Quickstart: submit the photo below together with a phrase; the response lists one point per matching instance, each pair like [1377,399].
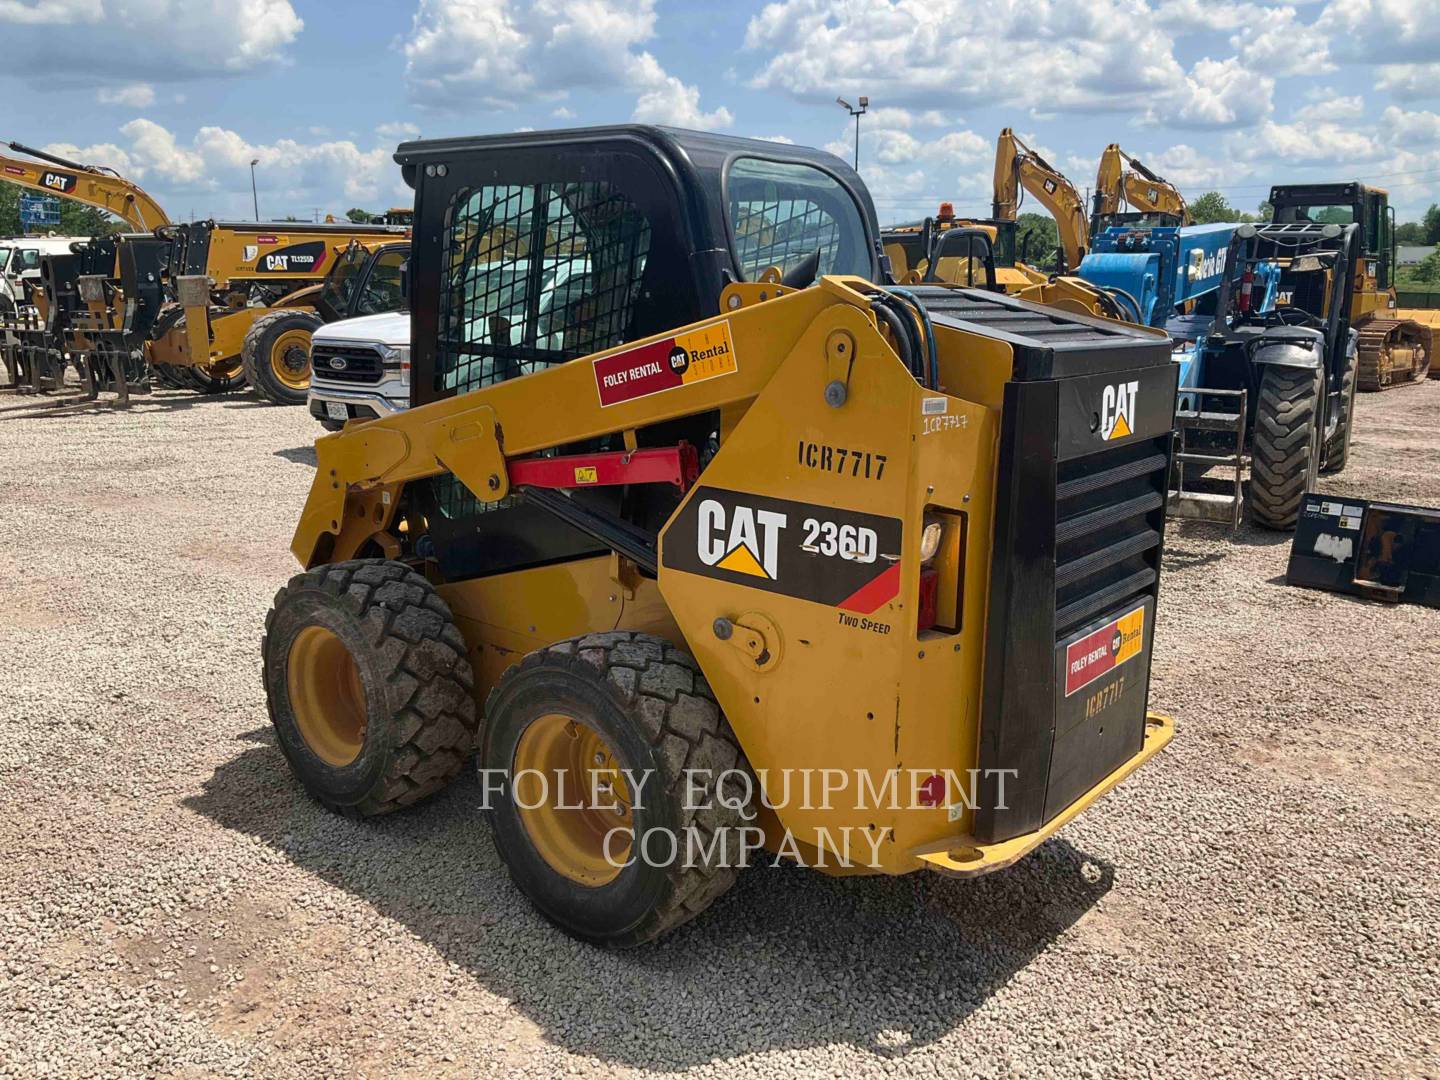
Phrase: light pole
[254,195]
[856,113]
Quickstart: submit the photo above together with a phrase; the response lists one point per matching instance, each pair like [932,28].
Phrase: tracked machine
[1395,346]
[732,509]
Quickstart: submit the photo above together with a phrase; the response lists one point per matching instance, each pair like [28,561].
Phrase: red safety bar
[678,465]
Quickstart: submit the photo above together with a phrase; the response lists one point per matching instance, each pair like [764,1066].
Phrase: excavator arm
[1018,168]
[52,175]
[1124,179]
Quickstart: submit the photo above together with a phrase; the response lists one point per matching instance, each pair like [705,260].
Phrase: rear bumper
[964,856]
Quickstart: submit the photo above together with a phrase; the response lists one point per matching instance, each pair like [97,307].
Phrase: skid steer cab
[727,554]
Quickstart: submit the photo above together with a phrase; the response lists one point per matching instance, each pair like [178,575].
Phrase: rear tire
[639,704]
[1337,448]
[276,355]
[369,685]
[1284,451]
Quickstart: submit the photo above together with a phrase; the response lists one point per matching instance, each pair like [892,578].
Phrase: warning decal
[691,357]
[1104,650]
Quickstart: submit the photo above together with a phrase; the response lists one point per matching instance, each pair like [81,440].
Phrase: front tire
[1284,453]
[369,685]
[592,714]
[276,355]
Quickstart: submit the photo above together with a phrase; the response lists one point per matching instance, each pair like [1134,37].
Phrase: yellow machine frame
[793,344]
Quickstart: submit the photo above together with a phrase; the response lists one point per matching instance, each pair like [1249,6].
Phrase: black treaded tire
[1337,447]
[652,704]
[260,341]
[418,682]
[1284,455]
[207,383]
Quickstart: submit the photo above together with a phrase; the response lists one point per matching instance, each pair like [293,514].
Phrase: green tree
[76,219]
[1036,238]
[1427,270]
[1211,207]
[1410,232]
[1431,226]
[358,216]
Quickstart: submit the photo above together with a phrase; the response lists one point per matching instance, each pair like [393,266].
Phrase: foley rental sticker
[1104,650]
[691,357]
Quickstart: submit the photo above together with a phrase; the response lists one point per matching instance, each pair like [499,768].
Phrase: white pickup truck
[20,262]
[360,368]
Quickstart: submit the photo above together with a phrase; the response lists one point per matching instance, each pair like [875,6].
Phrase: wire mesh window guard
[538,274]
[783,212]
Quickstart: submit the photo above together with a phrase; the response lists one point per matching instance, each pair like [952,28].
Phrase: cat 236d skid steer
[726,544]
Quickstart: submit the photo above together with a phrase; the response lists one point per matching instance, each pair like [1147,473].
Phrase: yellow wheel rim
[226,369]
[326,696]
[290,359]
[573,799]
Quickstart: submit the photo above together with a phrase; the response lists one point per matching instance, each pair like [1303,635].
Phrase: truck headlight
[397,358]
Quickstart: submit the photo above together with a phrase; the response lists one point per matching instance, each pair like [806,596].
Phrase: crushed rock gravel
[1262,899]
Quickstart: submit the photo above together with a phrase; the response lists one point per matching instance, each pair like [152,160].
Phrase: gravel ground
[1264,898]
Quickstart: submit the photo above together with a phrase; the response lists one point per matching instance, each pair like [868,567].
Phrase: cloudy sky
[181,95]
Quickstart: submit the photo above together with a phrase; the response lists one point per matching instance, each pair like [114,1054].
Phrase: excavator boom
[1123,179]
[1018,168]
[54,175]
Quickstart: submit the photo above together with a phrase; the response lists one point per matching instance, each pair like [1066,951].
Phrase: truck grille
[346,363]
[1108,521]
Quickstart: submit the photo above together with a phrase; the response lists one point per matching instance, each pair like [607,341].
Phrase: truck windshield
[340,281]
[782,212]
[4,259]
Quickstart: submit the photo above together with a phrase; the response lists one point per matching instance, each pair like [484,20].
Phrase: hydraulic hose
[896,324]
[932,357]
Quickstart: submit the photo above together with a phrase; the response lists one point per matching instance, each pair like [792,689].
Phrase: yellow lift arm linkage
[1018,167]
[1123,179]
[86,184]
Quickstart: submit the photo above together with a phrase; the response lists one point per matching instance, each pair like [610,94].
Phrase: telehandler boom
[730,512]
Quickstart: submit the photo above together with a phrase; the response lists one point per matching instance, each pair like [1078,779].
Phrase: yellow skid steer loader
[730,549]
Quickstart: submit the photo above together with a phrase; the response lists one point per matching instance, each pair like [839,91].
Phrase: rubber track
[424,658]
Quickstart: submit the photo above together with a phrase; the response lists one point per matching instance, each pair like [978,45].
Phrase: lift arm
[1018,168]
[88,184]
[1124,179]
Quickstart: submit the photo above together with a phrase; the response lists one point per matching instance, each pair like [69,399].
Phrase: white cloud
[1410,82]
[1050,54]
[1332,110]
[1194,171]
[293,176]
[1215,94]
[51,12]
[1420,129]
[398,130]
[673,102]
[1382,31]
[500,53]
[141,39]
[1309,142]
[785,139]
[135,95]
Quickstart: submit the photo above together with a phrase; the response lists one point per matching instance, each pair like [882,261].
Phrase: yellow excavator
[92,185]
[1123,180]
[1019,169]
